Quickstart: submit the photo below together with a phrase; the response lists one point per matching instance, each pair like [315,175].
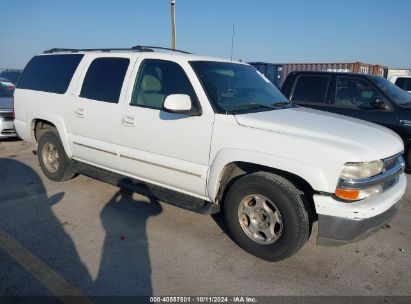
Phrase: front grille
[7,115]
[390,183]
[8,132]
[390,162]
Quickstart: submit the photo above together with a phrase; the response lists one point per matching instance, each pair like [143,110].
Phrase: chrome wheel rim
[50,157]
[260,219]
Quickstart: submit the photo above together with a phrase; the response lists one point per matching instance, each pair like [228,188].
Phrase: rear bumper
[340,222]
[7,128]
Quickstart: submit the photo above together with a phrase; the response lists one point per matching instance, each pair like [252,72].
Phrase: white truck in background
[398,72]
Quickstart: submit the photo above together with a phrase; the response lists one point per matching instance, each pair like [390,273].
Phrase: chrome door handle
[80,112]
[129,121]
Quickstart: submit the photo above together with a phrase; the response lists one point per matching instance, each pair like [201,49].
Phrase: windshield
[234,87]
[391,90]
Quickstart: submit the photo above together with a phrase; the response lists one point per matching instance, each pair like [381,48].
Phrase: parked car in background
[6,108]
[366,97]
[403,82]
[277,72]
[11,75]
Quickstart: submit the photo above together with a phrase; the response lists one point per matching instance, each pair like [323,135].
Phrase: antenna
[173,25]
[232,44]
[231,62]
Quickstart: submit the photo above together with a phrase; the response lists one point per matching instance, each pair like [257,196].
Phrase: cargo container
[355,67]
[277,73]
[271,71]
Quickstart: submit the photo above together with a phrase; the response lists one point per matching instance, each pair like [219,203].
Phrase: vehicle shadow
[10,139]
[27,216]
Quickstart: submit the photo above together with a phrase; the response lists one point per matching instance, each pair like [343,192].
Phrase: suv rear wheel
[267,216]
[53,159]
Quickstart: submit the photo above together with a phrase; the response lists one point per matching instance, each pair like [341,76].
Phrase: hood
[341,131]
[6,103]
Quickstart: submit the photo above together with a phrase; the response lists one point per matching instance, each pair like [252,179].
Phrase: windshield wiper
[254,105]
[282,103]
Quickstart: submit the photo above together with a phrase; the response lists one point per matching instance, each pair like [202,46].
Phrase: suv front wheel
[54,162]
[267,216]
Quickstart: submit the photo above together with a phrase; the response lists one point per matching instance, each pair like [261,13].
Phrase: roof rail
[142,47]
[137,48]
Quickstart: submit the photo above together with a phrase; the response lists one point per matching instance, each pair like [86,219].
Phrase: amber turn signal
[347,194]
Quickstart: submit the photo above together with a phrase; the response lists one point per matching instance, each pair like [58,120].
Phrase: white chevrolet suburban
[208,134]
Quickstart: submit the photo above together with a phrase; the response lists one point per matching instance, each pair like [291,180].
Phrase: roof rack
[143,47]
[137,48]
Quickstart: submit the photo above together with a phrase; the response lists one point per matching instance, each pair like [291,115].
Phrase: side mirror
[379,103]
[180,104]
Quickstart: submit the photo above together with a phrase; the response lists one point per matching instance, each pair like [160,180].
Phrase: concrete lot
[84,236]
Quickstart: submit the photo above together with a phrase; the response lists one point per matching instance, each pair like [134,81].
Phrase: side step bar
[159,193]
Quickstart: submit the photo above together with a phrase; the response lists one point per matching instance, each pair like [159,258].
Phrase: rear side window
[104,79]
[404,83]
[49,73]
[312,89]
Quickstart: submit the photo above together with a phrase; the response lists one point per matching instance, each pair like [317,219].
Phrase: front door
[353,97]
[163,148]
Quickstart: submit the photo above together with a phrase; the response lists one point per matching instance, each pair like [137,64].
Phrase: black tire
[290,202]
[65,167]
[407,156]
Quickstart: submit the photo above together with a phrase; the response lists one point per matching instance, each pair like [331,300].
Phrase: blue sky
[377,32]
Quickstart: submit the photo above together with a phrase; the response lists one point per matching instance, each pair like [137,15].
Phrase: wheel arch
[230,165]
[38,123]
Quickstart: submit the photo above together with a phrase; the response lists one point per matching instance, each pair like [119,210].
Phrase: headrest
[150,83]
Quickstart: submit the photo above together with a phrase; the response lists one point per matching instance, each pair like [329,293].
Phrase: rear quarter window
[49,73]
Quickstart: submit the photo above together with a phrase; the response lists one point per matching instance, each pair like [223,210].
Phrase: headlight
[362,170]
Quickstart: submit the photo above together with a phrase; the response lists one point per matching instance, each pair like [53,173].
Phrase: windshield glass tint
[395,93]
[233,87]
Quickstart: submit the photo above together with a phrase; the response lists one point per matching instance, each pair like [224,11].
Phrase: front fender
[314,176]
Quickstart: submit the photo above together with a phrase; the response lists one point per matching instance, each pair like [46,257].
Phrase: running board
[159,193]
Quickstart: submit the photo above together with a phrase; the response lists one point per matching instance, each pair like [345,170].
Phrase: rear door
[96,108]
